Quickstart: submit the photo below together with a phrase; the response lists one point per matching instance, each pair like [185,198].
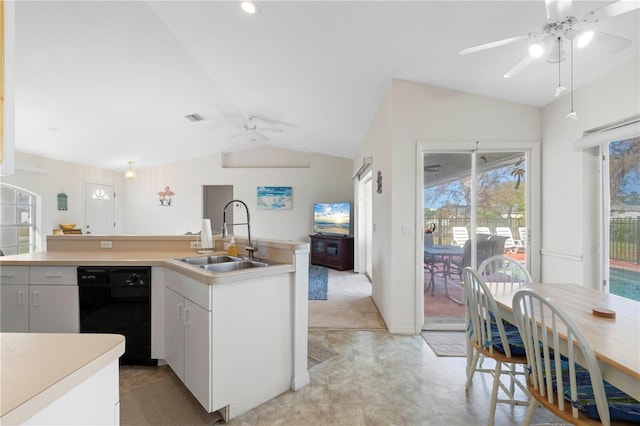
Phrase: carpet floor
[348,306]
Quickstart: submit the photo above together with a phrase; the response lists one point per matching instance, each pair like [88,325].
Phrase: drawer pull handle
[9,275]
[36,298]
[20,298]
[53,275]
[187,317]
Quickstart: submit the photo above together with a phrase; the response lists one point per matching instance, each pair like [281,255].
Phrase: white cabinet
[188,335]
[39,299]
[15,308]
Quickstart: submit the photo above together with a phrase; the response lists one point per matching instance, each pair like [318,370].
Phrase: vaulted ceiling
[103,83]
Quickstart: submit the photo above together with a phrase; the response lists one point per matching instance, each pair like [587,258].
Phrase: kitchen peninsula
[250,324]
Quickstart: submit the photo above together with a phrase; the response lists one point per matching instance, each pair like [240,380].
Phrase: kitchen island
[59,378]
[236,339]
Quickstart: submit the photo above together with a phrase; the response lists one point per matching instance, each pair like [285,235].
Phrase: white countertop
[38,368]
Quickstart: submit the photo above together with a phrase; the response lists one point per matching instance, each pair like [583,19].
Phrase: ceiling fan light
[559,90]
[536,50]
[572,115]
[584,39]
[249,7]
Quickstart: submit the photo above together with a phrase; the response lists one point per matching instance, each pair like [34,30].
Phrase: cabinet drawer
[60,275]
[14,274]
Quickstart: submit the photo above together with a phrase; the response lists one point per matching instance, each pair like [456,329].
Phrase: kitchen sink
[233,266]
[209,260]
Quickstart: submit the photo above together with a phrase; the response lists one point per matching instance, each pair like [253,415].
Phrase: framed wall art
[274,198]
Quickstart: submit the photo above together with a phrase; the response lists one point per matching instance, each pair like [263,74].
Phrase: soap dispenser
[233,250]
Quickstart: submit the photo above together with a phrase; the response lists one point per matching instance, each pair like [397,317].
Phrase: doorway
[99,209]
[214,198]
[466,192]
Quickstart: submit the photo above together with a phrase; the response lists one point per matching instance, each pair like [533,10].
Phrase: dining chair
[490,338]
[500,273]
[503,270]
[574,392]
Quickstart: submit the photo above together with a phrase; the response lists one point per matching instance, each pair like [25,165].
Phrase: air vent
[194,118]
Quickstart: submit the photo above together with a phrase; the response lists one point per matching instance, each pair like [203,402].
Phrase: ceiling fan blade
[267,120]
[262,129]
[611,10]
[557,9]
[493,44]
[522,64]
[608,42]
[256,135]
[238,134]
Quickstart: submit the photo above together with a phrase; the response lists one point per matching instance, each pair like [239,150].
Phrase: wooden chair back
[547,330]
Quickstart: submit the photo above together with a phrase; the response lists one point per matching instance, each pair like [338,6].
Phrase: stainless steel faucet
[225,225]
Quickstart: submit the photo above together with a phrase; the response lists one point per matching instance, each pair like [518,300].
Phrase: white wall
[327,179]
[46,178]
[570,179]
[137,208]
[413,112]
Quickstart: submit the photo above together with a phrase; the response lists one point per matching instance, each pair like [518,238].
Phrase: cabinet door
[54,309]
[15,308]
[197,374]
[174,332]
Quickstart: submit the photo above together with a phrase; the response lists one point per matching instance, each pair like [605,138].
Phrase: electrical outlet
[105,244]
[194,245]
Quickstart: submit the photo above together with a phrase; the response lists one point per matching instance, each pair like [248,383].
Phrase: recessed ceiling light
[250,7]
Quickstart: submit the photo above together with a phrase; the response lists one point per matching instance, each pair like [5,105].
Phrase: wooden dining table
[615,341]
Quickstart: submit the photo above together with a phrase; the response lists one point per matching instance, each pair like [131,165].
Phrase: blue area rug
[318,277]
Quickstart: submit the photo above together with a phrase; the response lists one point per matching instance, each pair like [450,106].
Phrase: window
[622,160]
[17,220]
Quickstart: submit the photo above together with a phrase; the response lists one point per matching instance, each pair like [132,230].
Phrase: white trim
[565,256]
[627,130]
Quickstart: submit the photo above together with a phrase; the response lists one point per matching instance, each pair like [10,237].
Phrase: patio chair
[491,337]
[509,244]
[522,242]
[483,230]
[576,393]
[486,246]
[460,236]
[500,272]
[431,263]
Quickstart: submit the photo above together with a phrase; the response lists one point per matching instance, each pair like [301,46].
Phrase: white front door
[100,209]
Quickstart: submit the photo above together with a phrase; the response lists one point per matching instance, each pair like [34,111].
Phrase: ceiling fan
[254,132]
[562,27]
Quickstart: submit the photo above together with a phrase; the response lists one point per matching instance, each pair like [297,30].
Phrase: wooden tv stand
[332,251]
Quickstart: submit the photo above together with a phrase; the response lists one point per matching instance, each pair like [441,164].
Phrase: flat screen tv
[332,218]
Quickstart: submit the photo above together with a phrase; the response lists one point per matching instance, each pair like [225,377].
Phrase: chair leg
[530,411]
[494,392]
[471,369]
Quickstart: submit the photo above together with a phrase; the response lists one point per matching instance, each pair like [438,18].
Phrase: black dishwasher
[118,300]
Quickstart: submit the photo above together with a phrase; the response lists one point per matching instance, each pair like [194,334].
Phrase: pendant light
[572,115]
[560,87]
[130,173]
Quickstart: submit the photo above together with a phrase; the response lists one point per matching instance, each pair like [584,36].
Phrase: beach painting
[274,198]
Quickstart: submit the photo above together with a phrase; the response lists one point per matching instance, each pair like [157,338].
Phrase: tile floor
[383,379]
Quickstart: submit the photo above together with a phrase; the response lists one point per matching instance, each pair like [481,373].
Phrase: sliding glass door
[468,195]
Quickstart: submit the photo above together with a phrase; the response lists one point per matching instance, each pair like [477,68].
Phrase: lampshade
[130,173]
